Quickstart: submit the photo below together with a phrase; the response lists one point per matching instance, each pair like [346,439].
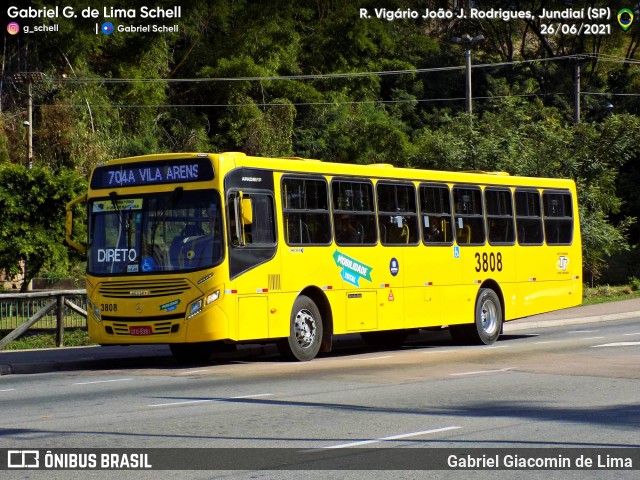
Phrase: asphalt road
[559,387]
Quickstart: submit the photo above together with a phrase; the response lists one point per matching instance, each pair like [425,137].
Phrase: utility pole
[467,42]
[576,93]
[29,78]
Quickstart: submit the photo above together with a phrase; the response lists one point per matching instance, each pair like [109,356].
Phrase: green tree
[32,218]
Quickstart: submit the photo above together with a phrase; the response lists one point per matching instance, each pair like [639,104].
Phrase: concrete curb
[533,324]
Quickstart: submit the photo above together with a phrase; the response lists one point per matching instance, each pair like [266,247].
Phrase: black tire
[386,339]
[305,337]
[487,321]
[192,353]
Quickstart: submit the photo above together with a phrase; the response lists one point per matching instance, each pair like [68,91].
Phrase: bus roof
[293,165]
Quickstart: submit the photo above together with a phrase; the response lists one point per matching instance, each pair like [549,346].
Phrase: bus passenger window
[397,214]
[558,217]
[354,219]
[305,209]
[528,217]
[435,208]
[499,216]
[469,215]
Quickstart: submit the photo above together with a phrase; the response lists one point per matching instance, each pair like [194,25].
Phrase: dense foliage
[313,79]
[32,226]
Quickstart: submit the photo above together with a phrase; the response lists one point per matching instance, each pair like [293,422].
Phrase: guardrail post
[60,321]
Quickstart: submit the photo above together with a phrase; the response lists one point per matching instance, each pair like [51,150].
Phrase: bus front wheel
[487,322]
[305,337]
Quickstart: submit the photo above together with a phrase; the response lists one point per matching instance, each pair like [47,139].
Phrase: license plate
[140,331]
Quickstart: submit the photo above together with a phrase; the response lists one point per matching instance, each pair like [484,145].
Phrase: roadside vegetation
[76,337]
[608,293]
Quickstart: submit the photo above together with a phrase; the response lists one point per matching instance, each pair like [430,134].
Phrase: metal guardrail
[20,311]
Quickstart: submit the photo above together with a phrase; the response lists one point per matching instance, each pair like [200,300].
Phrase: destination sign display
[152,173]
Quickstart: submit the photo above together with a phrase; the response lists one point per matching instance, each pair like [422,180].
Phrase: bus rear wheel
[305,337]
[487,322]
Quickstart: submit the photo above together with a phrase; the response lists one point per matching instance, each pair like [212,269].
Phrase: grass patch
[608,293]
[76,337]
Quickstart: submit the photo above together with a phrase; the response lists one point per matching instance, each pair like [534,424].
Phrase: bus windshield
[165,232]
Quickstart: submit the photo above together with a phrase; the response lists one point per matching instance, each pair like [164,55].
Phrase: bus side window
[469,215]
[397,213]
[499,216]
[558,217]
[261,230]
[354,219]
[528,217]
[435,208]
[305,211]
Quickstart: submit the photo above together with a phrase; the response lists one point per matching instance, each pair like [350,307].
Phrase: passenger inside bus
[346,230]
[434,233]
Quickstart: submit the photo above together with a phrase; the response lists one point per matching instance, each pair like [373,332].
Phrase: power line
[602,57]
[301,104]
[321,76]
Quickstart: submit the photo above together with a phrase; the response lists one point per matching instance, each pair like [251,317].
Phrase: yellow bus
[203,250]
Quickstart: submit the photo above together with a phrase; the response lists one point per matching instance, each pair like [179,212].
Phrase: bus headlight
[95,310]
[212,297]
[194,309]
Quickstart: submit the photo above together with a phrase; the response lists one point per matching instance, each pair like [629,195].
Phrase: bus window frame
[540,217]
[482,215]
[441,215]
[489,217]
[405,214]
[336,212]
[555,191]
[288,210]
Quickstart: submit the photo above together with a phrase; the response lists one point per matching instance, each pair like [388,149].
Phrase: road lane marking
[372,358]
[617,344]
[257,395]
[104,381]
[495,346]
[8,390]
[547,341]
[192,371]
[592,338]
[580,331]
[208,400]
[393,437]
[631,334]
[189,402]
[480,372]
[438,351]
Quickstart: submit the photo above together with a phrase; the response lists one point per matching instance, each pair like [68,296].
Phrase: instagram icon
[13,28]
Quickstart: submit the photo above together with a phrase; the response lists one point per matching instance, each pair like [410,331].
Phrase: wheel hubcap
[489,317]
[305,328]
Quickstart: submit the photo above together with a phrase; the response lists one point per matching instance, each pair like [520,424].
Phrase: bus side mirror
[69,224]
[247,211]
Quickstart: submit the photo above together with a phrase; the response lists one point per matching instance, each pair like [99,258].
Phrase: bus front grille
[148,288]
